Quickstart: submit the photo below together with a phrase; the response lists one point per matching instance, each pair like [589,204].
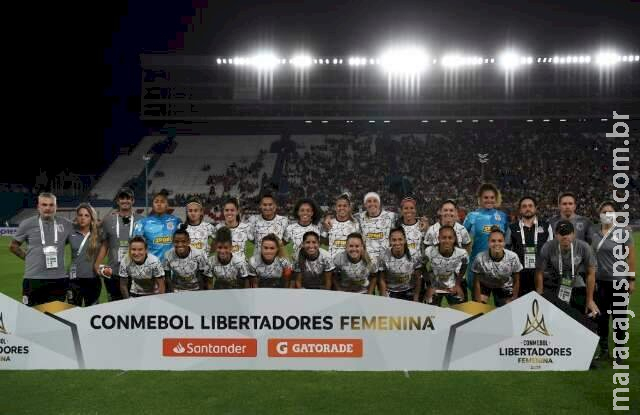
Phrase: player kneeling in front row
[400,275]
[144,269]
[496,271]
[226,269]
[445,268]
[185,267]
[355,271]
[270,268]
[314,265]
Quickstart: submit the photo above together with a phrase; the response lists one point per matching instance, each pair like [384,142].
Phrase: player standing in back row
[267,222]
[480,222]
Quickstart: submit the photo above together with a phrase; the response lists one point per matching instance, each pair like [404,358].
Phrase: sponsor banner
[527,334]
[280,329]
[4,231]
[30,339]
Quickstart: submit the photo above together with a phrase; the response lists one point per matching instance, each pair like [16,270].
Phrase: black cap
[564,227]
[126,192]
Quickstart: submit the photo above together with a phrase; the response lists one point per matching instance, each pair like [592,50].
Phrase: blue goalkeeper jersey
[479,222]
[158,232]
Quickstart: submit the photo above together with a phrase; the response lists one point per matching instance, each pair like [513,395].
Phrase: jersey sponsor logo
[314,348]
[340,243]
[162,240]
[185,347]
[375,235]
[235,248]
[197,245]
[412,245]
[486,228]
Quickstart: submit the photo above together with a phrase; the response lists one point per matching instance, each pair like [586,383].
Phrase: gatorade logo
[322,348]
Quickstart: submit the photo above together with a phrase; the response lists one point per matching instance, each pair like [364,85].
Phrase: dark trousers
[113,288]
[607,301]
[42,291]
[85,291]
[575,308]
[527,282]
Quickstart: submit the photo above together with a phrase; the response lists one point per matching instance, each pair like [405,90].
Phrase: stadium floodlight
[459,121]
[529,120]
[224,60]
[315,61]
[493,60]
[624,58]
[451,61]
[301,61]
[604,119]
[264,61]
[404,61]
[324,121]
[424,121]
[340,61]
[546,120]
[637,58]
[563,120]
[510,60]
[443,121]
[372,122]
[607,58]
[474,121]
[218,61]
[308,122]
[386,121]
[490,120]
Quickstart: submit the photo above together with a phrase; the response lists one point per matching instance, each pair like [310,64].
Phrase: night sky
[90,55]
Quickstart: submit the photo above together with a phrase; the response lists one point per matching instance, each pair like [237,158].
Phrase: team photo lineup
[321,207]
[375,251]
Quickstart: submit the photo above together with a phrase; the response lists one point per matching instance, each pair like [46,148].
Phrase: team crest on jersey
[60,227]
[579,226]
[170,226]
[497,216]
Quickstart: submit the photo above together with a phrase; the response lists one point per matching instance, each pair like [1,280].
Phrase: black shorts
[85,291]
[402,295]
[41,291]
[500,295]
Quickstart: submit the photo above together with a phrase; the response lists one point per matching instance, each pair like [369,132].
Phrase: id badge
[564,293]
[529,257]
[50,257]
[123,251]
[73,272]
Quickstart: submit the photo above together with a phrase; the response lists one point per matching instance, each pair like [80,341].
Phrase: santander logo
[179,349]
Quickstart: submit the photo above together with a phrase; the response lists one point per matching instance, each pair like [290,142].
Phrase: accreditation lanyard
[573,265]
[118,227]
[566,284]
[55,232]
[84,241]
[535,233]
[604,238]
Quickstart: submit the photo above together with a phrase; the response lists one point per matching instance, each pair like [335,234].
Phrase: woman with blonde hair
[85,286]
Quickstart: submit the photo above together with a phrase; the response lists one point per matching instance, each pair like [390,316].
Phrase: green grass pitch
[289,392]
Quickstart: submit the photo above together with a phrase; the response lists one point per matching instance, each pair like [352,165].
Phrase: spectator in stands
[46,235]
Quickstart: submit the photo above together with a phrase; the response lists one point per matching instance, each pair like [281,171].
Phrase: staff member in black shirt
[526,238]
